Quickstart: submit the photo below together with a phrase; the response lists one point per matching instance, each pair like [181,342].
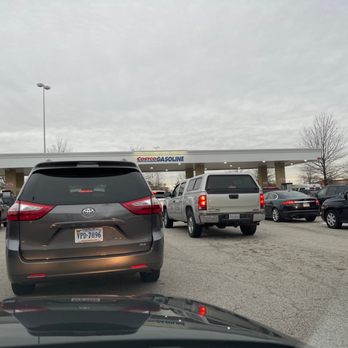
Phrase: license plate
[306,205]
[88,235]
[233,216]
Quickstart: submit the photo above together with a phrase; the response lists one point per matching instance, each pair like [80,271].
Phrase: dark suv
[83,218]
[334,211]
[330,191]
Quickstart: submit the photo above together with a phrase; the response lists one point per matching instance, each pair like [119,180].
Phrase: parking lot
[292,276]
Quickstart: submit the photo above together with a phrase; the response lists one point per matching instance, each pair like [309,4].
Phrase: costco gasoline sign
[151,159]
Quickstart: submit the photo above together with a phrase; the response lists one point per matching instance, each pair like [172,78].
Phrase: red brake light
[202,310]
[202,202]
[27,211]
[317,202]
[288,202]
[262,200]
[144,206]
[142,265]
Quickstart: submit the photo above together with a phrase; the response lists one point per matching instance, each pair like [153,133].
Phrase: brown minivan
[83,218]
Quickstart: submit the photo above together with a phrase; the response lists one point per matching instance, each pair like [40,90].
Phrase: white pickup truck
[216,199]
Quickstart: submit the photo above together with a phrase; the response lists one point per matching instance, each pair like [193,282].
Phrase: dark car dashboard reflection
[154,319]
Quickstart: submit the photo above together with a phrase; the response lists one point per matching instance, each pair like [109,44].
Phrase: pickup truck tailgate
[232,193]
[232,202]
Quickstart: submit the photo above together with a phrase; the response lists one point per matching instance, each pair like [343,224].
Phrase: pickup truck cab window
[197,184]
[190,185]
[175,191]
[181,189]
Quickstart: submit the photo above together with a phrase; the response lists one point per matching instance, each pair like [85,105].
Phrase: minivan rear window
[84,186]
[231,184]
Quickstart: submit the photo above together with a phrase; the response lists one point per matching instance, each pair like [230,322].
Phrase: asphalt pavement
[291,276]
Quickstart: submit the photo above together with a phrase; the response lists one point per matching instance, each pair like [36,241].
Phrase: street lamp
[44,88]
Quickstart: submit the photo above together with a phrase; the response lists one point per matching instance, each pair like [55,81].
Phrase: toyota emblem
[87,212]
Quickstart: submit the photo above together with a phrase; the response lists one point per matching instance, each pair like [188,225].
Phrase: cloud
[190,75]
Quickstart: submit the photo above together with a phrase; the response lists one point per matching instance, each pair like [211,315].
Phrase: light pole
[44,87]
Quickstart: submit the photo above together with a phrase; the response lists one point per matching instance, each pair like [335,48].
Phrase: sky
[170,74]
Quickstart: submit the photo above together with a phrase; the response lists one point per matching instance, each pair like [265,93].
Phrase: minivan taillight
[202,202]
[262,200]
[144,206]
[27,211]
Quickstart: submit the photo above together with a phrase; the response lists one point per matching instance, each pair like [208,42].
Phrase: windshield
[84,186]
[238,203]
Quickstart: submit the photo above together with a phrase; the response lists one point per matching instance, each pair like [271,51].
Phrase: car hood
[58,319]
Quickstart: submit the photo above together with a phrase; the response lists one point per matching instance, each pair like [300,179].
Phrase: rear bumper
[224,218]
[18,269]
[299,213]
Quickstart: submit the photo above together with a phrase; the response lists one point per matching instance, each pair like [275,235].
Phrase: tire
[276,215]
[332,220]
[248,230]
[4,223]
[310,218]
[167,222]
[221,226]
[194,230]
[22,289]
[151,276]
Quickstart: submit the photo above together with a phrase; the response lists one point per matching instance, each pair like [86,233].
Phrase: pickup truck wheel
[248,230]
[167,222]
[332,220]
[194,230]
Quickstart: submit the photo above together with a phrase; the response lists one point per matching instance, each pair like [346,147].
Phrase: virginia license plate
[233,216]
[88,235]
[306,205]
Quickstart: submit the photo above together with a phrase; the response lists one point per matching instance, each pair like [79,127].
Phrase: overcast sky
[170,74]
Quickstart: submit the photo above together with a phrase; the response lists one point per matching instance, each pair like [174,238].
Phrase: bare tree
[325,135]
[309,175]
[61,145]
[155,180]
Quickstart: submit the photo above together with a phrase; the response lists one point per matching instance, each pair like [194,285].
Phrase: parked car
[330,191]
[334,211]
[83,218]
[3,212]
[280,205]
[216,199]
